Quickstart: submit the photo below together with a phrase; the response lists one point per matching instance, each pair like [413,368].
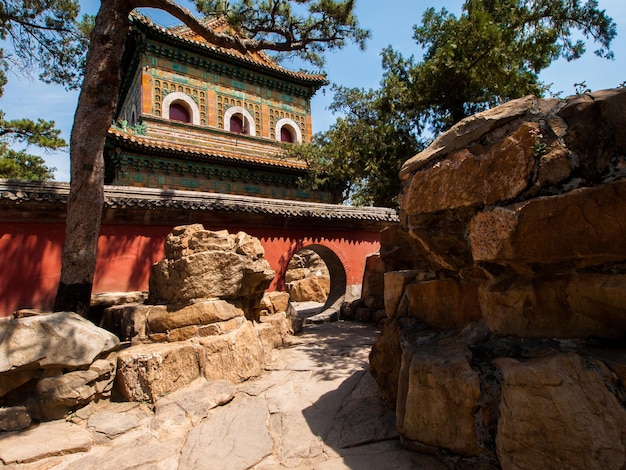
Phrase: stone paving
[315,407]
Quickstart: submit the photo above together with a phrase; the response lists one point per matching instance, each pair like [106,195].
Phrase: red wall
[31,257]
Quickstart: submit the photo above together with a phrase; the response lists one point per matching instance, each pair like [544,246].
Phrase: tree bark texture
[94,114]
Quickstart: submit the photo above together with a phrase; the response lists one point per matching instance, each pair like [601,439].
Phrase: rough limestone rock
[58,395]
[309,289]
[150,371]
[162,319]
[536,398]
[201,264]
[14,418]
[235,356]
[53,364]
[204,296]
[438,394]
[307,277]
[505,289]
[61,339]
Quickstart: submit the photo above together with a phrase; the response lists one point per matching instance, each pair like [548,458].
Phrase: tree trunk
[95,112]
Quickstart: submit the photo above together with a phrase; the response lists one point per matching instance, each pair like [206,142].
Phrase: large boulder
[62,339]
[53,364]
[201,264]
[150,371]
[505,289]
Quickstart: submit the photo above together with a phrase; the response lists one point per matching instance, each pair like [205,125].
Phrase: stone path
[316,407]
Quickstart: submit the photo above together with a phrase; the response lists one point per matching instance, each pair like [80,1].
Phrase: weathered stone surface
[541,231]
[13,379]
[164,318]
[249,246]
[108,299]
[235,356]
[395,283]
[198,399]
[438,394]
[188,239]
[112,424]
[296,274]
[558,410]
[147,372]
[45,440]
[595,122]
[198,275]
[470,130]
[309,289]
[59,339]
[574,306]
[361,420]
[220,328]
[385,361]
[445,303]
[127,321]
[202,264]
[270,336]
[233,437]
[466,179]
[14,418]
[279,300]
[56,396]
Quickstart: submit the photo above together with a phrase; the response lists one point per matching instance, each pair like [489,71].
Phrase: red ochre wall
[31,257]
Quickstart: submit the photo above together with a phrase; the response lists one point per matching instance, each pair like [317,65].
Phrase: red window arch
[178,112]
[286,135]
[237,124]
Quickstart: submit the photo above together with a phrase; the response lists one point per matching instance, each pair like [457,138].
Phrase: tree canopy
[493,52]
[42,36]
[359,157]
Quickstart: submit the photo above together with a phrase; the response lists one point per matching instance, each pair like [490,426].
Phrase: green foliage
[41,133]
[20,165]
[490,54]
[300,28]
[45,35]
[359,157]
[40,35]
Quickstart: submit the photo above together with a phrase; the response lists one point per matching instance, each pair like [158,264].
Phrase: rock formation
[505,289]
[207,316]
[307,277]
[50,365]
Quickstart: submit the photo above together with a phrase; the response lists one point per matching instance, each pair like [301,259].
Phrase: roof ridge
[259,58]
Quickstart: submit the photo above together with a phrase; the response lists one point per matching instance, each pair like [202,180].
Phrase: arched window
[180,107]
[179,112]
[288,131]
[286,135]
[239,120]
[237,125]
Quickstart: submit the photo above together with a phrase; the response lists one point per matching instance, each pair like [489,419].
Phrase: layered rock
[505,291]
[208,315]
[51,365]
[307,278]
[201,264]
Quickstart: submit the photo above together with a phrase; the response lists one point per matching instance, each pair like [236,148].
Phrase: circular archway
[335,269]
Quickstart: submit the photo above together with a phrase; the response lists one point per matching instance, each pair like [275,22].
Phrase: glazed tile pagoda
[193,116]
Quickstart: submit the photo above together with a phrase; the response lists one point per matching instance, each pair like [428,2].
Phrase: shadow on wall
[39,260]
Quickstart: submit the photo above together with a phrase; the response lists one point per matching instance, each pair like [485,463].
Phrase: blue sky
[390,22]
